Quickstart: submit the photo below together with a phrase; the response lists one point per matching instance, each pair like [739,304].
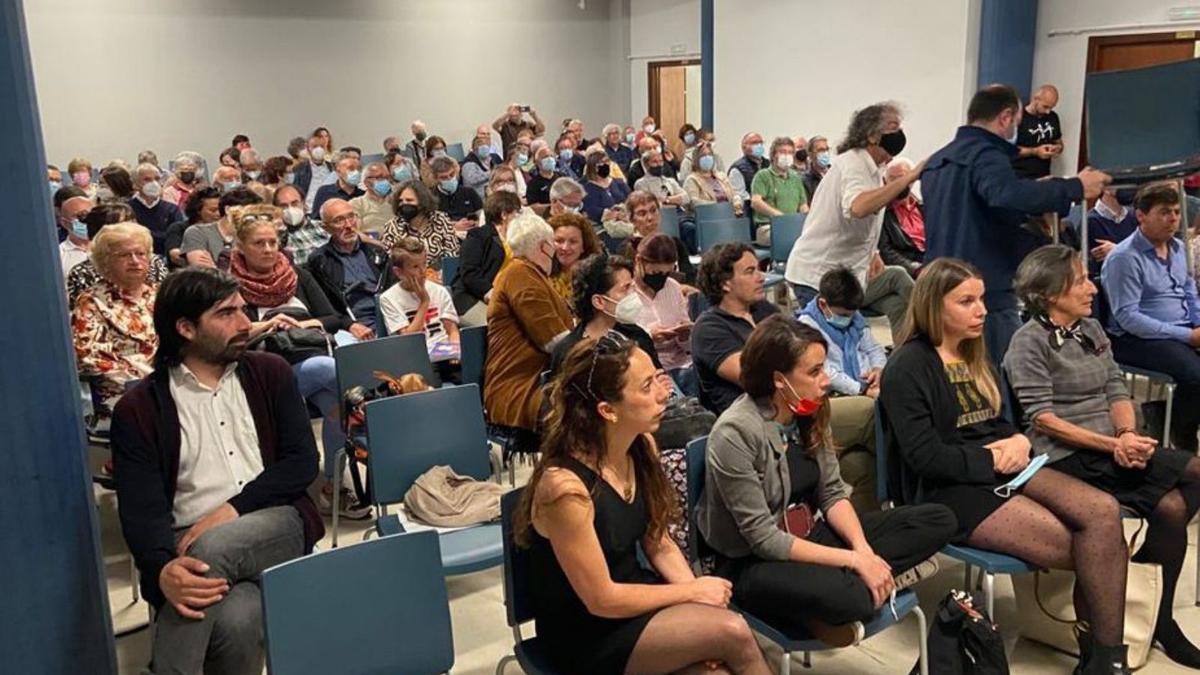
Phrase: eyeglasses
[609,343]
[255,217]
[344,219]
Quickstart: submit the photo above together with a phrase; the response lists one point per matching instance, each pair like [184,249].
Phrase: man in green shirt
[777,189]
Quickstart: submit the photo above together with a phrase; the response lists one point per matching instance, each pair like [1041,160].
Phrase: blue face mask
[55,186]
[706,162]
[79,228]
[824,159]
[629,138]
[758,150]
[547,164]
[565,154]
[522,160]
[1021,478]
[689,138]
[448,186]
[289,178]
[354,178]
[483,152]
[381,187]
[402,173]
[840,322]
[231,185]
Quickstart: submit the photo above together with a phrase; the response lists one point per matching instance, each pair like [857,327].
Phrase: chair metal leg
[339,467]
[1170,387]
[967,585]
[785,663]
[504,662]
[922,646]
[133,579]
[989,595]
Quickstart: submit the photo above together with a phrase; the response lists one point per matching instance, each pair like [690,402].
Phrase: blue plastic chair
[715,211]
[410,434]
[906,600]
[709,233]
[473,341]
[528,652]
[401,619]
[449,270]
[456,151]
[785,230]
[989,563]
[668,221]
[367,159]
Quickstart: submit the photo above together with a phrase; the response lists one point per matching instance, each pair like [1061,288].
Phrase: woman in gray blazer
[777,513]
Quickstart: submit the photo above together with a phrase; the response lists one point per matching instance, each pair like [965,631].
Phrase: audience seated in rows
[348,270]
[203,525]
[706,183]
[902,236]
[597,498]
[771,454]
[942,400]
[416,214]
[842,229]
[483,254]
[574,240]
[1079,414]
[1155,313]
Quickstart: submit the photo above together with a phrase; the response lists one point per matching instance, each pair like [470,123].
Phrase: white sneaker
[348,506]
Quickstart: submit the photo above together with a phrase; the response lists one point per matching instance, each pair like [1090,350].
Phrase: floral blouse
[114,338]
[439,238]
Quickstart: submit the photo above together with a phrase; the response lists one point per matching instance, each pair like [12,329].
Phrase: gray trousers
[888,294]
[229,639]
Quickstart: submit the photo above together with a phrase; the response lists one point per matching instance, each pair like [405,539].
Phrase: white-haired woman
[526,318]
[113,323]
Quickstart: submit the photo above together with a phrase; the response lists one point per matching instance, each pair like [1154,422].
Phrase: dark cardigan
[480,260]
[145,438]
[919,416]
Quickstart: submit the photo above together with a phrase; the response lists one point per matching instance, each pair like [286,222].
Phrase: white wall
[1061,60]
[659,30]
[123,75]
[921,53]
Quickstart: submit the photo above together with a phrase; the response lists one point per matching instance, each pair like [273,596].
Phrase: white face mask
[629,308]
[318,154]
[784,161]
[152,190]
[293,216]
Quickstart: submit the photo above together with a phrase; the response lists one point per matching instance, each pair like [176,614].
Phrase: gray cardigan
[746,483]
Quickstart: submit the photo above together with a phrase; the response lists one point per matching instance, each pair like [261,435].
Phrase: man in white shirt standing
[843,225]
[76,247]
[213,455]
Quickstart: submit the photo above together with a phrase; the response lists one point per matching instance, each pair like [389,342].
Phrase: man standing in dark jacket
[975,204]
[213,456]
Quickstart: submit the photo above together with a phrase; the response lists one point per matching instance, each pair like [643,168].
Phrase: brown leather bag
[798,521]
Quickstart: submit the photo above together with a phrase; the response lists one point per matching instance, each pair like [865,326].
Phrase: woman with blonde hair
[113,320]
[941,405]
[598,493]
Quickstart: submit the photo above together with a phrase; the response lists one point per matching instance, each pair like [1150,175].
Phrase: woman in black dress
[598,492]
[941,413]
[1061,368]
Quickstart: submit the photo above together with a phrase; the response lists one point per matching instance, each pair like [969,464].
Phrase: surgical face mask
[894,142]
[79,228]
[317,154]
[629,138]
[706,162]
[353,177]
[293,216]
[603,170]
[187,176]
[802,407]
[253,175]
[656,281]
[628,309]
[483,152]
[572,209]
[783,161]
[566,154]
[1022,478]
[153,189]
[522,160]
[289,178]
[231,185]
[689,138]
[408,211]
[440,152]
[824,159]
[381,187]
[758,150]
[547,164]
[55,186]
[1012,138]
[449,186]
[402,173]
[649,128]
[839,321]
[81,178]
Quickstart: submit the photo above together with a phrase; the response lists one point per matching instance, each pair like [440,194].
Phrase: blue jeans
[317,378]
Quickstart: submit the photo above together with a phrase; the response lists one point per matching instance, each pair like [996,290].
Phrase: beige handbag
[442,498]
[1044,603]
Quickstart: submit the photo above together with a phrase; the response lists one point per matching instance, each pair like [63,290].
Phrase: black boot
[1083,637]
[1106,660]
[1176,645]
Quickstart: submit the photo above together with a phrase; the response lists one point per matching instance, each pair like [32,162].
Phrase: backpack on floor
[354,422]
[963,640]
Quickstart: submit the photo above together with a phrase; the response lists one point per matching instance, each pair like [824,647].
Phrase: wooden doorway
[674,97]
[1122,52]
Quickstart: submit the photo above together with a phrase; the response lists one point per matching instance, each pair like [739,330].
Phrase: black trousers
[1181,362]
[787,594]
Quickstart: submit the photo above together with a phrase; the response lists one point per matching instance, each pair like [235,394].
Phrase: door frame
[652,69]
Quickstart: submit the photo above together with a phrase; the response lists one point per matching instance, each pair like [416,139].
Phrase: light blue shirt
[1150,298]
[870,357]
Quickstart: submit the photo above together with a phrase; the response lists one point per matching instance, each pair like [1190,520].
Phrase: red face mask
[802,407]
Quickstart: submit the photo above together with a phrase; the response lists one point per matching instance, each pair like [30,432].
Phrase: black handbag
[963,640]
[294,344]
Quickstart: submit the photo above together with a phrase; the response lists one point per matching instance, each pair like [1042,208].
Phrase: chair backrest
[456,151]
[696,450]
[398,592]
[785,230]
[397,355]
[473,342]
[449,270]
[712,232]
[714,211]
[517,600]
[367,159]
[668,221]
[412,433]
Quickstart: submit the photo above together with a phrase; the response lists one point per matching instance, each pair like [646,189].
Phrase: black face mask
[603,170]
[656,171]
[1125,196]
[656,281]
[904,193]
[893,143]
[408,211]
[187,176]
[801,155]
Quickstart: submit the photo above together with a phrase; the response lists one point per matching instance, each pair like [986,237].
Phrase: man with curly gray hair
[846,216]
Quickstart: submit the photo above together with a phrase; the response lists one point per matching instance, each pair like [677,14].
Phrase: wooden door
[668,99]
[1122,52]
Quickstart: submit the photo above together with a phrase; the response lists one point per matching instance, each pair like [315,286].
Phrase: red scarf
[265,290]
